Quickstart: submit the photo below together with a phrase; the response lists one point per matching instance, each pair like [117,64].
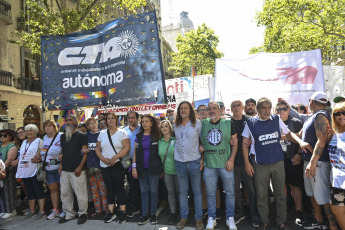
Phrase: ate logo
[304,75]
[214,137]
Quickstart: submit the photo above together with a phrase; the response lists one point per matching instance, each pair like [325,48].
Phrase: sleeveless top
[267,135]
[309,136]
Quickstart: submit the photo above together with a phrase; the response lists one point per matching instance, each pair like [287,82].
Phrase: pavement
[18,222]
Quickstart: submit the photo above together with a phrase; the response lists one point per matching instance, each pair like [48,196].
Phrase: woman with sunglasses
[147,166]
[337,157]
[8,153]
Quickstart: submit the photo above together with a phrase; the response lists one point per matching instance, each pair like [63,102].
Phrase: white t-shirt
[246,133]
[106,148]
[2,168]
[53,153]
[337,157]
[26,168]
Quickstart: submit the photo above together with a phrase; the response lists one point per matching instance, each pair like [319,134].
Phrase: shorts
[34,188]
[319,186]
[53,176]
[293,173]
[337,197]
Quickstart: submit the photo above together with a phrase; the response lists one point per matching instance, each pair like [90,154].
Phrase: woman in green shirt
[166,147]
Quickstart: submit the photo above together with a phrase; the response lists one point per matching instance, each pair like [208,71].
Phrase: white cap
[320,97]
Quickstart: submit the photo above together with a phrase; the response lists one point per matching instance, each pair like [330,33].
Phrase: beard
[250,112]
[69,132]
[171,119]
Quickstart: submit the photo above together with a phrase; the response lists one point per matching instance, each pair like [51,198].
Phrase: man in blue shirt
[267,158]
[132,130]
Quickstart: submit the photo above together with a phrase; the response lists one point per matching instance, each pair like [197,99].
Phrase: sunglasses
[282,109]
[337,114]
[202,110]
[170,111]
[3,135]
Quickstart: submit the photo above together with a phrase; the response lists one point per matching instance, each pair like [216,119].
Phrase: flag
[94,112]
[192,71]
[82,117]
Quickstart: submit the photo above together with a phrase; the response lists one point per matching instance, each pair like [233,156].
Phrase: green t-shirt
[169,167]
[216,140]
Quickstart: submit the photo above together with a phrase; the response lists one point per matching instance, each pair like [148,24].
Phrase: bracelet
[134,165]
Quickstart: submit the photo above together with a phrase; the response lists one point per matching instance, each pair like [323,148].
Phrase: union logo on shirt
[214,137]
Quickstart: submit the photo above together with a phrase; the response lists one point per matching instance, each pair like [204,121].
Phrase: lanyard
[27,148]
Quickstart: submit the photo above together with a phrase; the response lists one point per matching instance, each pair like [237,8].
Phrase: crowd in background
[199,157]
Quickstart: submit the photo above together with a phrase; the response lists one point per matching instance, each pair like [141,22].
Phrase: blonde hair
[169,124]
[339,107]
[89,120]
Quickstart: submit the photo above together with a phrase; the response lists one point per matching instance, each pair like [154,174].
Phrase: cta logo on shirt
[267,138]
[214,137]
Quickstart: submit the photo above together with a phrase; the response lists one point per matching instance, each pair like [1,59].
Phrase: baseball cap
[339,98]
[320,97]
[221,104]
[250,100]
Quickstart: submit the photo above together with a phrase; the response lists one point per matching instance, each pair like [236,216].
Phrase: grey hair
[32,127]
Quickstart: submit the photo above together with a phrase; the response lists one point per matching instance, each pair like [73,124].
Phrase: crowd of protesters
[288,155]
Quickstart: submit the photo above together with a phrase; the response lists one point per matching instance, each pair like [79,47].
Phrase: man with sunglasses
[293,159]
[101,124]
[316,163]
[170,114]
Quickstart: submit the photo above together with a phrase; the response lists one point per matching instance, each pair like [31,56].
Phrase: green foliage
[197,48]
[66,16]
[298,25]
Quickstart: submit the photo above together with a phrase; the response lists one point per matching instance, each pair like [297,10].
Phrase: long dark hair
[154,129]
[192,117]
[18,141]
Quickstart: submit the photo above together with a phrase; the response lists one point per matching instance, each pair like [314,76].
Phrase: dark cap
[82,124]
[250,100]
[221,104]
[339,98]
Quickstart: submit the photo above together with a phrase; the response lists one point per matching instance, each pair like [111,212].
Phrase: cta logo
[214,137]
[269,136]
[126,45]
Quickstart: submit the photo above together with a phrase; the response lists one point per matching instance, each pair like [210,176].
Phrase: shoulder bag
[41,171]
[165,157]
[126,161]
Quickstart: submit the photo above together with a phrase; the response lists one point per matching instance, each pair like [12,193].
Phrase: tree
[298,25]
[197,48]
[65,16]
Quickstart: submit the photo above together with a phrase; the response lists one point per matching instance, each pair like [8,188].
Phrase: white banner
[178,90]
[292,76]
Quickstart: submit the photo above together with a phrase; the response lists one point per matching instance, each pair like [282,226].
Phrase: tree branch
[85,13]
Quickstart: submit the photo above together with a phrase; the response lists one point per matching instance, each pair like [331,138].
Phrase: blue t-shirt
[92,159]
[132,137]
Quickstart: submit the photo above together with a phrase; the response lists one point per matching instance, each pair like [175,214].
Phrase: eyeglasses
[281,109]
[3,135]
[20,133]
[202,110]
[170,111]
[337,114]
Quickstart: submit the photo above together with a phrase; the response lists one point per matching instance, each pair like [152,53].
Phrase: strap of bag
[111,141]
[45,157]
[166,153]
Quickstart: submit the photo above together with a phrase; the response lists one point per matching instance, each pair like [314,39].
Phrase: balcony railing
[28,84]
[5,78]
[5,10]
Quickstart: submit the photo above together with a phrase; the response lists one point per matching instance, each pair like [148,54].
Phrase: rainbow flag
[82,117]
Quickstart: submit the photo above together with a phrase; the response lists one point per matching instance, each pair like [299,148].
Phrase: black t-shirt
[71,150]
[294,126]
[239,126]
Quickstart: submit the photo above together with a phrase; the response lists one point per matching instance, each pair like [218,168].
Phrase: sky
[232,21]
